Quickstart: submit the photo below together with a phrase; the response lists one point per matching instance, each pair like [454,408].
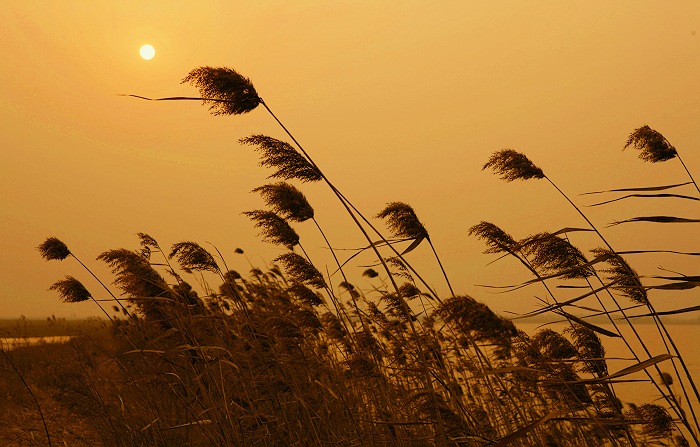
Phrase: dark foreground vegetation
[288,356]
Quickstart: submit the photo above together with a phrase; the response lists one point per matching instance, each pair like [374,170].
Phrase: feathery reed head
[192,256]
[402,221]
[666,378]
[590,349]
[287,201]
[551,254]
[304,294]
[497,240]
[52,248]
[134,275]
[512,165]
[301,270]
[273,228]
[71,290]
[147,241]
[472,317]
[370,273]
[409,291]
[290,164]
[653,146]
[396,306]
[231,276]
[400,268]
[657,421]
[225,90]
[625,278]
[352,291]
[553,346]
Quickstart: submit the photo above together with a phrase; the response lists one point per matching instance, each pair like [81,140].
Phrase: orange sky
[395,100]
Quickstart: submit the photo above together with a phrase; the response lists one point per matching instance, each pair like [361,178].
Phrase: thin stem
[687,171]
[437,258]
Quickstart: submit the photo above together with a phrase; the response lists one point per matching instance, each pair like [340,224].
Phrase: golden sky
[396,100]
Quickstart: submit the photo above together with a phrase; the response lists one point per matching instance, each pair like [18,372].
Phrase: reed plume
[53,249]
[135,276]
[301,270]
[551,254]
[478,321]
[193,257]
[287,161]
[512,165]
[304,294]
[590,349]
[402,221]
[653,147]
[287,201]
[656,422]
[625,278]
[370,273]
[274,229]
[71,290]
[497,240]
[225,90]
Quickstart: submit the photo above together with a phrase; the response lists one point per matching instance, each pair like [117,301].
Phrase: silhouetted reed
[225,90]
[287,201]
[274,229]
[71,290]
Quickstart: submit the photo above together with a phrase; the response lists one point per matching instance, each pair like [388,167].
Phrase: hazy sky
[396,100]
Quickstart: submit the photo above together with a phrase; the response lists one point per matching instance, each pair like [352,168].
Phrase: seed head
[301,270]
[71,290]
[497,240]
[290,164]
[370,273]
[512,165]
[625,277]
[403,221]
[653,147]
[192,256]
[589,347]
[225,90]
[287,201]
[551,254]
[657,421]
[52,248]
[273,228]
[304,294]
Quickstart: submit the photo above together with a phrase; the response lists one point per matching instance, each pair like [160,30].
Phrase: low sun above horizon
[147,52]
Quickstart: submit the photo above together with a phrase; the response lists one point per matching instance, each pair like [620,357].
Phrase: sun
[147,52]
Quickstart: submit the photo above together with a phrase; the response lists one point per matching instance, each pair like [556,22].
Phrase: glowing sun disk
[147,52]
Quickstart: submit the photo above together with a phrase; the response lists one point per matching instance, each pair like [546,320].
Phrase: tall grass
[305,358]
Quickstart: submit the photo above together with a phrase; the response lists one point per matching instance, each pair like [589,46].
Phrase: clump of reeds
[289,356]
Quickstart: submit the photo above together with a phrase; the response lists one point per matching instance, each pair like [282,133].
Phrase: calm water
[686,337]
[12,343]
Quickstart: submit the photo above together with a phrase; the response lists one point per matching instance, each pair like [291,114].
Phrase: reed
[288,355]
